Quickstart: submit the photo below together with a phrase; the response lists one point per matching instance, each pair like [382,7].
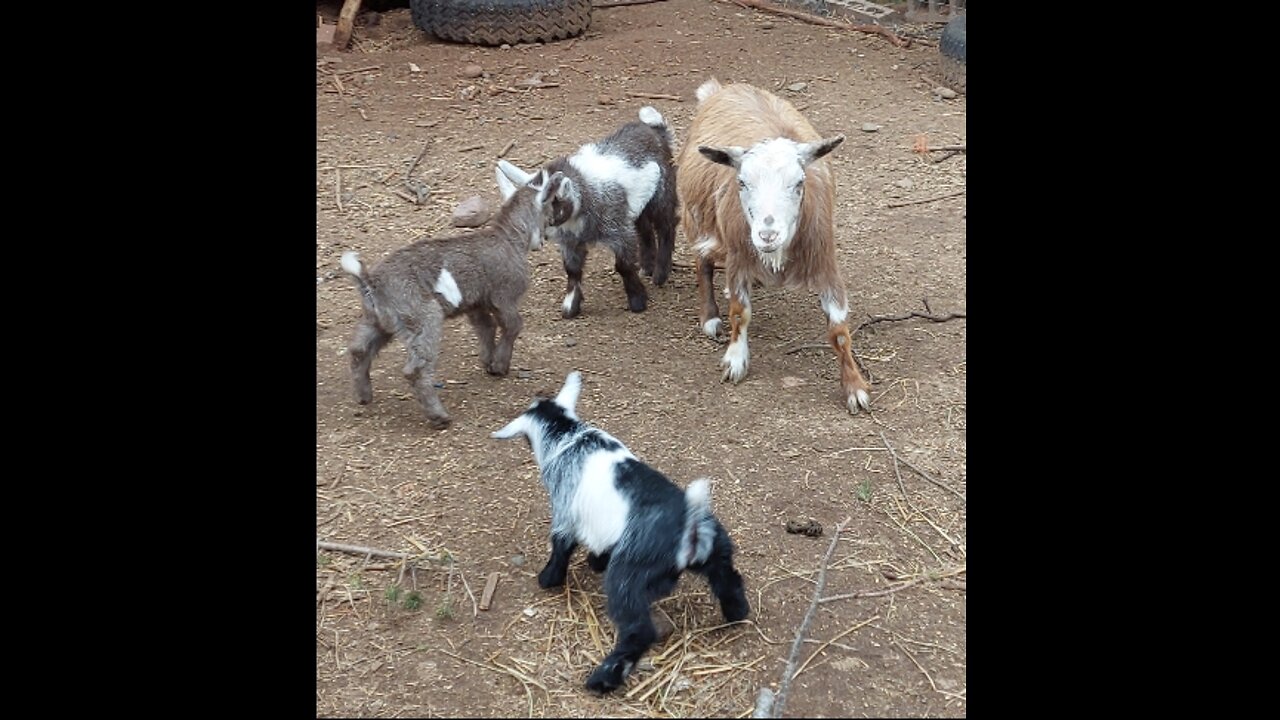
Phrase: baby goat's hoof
[549,578]
[637,303]
[608,676]
[440,423]
[499,370]
[858,399]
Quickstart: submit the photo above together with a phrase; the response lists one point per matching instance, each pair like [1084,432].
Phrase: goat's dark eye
[742,185]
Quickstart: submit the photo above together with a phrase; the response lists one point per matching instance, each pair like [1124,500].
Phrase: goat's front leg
[738,357]
[575,258]
[709,313]
[856,387]
[508,317]
[562,547]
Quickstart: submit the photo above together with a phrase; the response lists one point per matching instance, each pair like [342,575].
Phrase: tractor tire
[499,22]
[952,48]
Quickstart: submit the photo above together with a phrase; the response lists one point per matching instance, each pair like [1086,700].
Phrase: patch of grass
[355,581]
[412,601]
[393,594]
[864,491]
[323,560]
[444,611]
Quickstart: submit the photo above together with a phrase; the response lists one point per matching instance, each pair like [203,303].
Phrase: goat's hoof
[660,278]
[711,329]
[637,303]
[608,676]
[735,608]
[859,399]
[548,579]
[440,423]
[499,370]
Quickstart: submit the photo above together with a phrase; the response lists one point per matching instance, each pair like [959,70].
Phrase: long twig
[814,20]
[620,3]
[896,473]
[925,200]
[653,96]
[907,316]
[780,698]
[359,550]
[425,147]
[920,472]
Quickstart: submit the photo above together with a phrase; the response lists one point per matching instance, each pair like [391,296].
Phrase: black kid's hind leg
[630,589]
[553,574]
[726,583]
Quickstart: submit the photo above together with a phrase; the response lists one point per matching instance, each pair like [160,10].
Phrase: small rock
[791,381]
[470,213]
[570,342]
[905,184]
[472,71]
[766,26]
[468,92]
[529,612]
[944,93]
[663,626]
[870,127]
[604,100]
[517,560]
[524,374]
[504,46]
[413,68]
[797,87]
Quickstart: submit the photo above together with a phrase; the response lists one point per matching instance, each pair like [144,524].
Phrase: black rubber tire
[953,49]
[498,22]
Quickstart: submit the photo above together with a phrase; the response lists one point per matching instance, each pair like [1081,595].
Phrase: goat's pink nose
[768,236]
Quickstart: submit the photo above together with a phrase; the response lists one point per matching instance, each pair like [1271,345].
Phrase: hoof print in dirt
[810,528]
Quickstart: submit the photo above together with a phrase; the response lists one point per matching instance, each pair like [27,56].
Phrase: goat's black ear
[813,150]
[730,156]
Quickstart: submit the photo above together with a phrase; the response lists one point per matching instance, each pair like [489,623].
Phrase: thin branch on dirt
[809,346]
[654,96]
[901,488]
[359,550]
[475,607]
[928,677]
[403,194]
[824,645]
[337,83]
[620,3]
[814,20]
[925,200]
[920,472]
[779,700]
[357,70]
[337,187]
[469,148]
[409,173]
[954,585]
[907,316]
[872,593]
[506,149]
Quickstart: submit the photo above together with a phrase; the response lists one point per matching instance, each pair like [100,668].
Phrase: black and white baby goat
[619,192]
[640,529]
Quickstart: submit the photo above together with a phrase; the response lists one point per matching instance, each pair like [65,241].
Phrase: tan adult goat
[776,229]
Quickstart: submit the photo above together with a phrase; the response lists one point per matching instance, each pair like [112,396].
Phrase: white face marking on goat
[598,169]
[448,287]
[599,509]
[771,184]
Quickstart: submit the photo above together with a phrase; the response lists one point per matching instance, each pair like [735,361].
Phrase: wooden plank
[346,23]
[489,586]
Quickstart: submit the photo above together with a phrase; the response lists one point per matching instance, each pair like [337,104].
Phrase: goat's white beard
[773,260]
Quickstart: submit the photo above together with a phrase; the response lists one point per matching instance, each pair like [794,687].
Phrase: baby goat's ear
[509,178]
[519,426]
[568,397]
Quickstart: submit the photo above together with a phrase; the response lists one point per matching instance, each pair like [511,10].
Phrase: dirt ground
[394,640]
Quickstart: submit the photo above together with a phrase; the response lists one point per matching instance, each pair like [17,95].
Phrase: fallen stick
[357,70]
[906,316]
[507,149]
[425,146]
[486,598]
[925,200]
[814,20]
[337,187]
[359,550]
[469,148]
[654,96]
[779,699]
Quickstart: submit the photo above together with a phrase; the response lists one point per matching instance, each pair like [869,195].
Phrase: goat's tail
[351,264]
[707,89]
[650,116]
[699,532]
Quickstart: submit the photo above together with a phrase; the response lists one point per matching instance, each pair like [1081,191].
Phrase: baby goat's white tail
[695,542]
[707,89]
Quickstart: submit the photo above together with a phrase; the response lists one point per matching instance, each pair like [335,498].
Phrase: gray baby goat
[483,274]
